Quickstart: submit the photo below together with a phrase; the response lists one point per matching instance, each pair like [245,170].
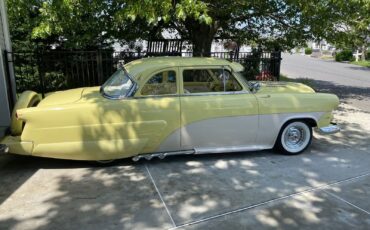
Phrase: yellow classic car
[156,107]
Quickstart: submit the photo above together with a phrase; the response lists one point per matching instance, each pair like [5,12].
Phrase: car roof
[154,63]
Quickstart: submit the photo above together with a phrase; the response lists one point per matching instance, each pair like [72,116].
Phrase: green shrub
[344,55]
[308,51]
[368,55]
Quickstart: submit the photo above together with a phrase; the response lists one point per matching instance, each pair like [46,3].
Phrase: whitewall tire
[294,137]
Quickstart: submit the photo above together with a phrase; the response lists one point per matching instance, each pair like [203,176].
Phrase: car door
[217,114]
[157,106]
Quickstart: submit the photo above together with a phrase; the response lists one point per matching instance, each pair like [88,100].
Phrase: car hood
[284,87]
[62,97]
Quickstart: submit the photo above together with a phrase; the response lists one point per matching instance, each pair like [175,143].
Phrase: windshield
[118,85]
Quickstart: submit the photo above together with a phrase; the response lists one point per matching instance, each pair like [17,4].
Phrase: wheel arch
[310,120]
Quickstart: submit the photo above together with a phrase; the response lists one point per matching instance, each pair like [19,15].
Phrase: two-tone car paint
[81,124]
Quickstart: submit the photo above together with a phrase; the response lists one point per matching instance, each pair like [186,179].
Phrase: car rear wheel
[294,137]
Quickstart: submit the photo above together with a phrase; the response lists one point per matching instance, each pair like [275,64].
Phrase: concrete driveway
[350,82]
[327,187]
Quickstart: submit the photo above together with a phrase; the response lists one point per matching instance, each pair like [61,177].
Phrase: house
[7,95]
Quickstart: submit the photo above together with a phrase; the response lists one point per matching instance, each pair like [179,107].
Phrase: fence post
[99,65]
[8,81]
[277,64]
[40,64]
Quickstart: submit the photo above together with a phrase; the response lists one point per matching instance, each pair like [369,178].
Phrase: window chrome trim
[129,93]
[133,89]
[186,95]
[217,93]
[240,82]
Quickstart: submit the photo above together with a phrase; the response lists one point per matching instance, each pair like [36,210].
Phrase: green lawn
[362,63]
[327,57]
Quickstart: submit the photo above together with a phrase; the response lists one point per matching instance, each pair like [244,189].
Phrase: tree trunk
[201,35]
[202,45]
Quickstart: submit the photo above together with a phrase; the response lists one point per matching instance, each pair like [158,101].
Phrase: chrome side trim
[199,151]
[4,148]
[331,129]
[231,149]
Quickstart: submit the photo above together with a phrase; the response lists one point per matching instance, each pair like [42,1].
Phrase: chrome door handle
[266,96]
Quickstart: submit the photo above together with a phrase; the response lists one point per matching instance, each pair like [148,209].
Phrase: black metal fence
[58,70]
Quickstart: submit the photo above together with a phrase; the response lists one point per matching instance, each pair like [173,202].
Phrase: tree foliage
[343,23]
[23,17]
[271,23]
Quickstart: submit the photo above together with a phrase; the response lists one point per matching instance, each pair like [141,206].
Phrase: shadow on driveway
[39,193]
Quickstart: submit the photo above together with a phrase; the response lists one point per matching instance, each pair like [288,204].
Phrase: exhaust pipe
[161,156]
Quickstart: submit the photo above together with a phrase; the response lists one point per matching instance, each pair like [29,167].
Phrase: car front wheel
[294,137]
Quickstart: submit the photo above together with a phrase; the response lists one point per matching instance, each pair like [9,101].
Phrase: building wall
[4,45]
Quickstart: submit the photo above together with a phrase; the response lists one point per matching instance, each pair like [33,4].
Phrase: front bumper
[331,129]
[4,148]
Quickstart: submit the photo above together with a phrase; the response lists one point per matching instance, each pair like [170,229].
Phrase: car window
[118,85]
[209,80]
[161,84]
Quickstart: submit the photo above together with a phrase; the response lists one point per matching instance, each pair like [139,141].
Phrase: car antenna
[223,77]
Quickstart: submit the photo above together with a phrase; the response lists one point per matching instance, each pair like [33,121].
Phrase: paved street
[327,187]
[350,82]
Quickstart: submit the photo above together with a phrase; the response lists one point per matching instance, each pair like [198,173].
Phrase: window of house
[161,84]
[209,80]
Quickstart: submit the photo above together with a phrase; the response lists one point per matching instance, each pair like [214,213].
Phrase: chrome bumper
[331,129]
[4,148]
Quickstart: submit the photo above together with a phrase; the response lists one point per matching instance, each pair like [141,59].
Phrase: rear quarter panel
[99,130]
[277,109]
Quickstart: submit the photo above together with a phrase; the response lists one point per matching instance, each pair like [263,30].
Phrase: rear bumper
[331,129]
[4,148]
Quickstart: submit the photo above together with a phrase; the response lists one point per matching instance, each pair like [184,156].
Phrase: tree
[276,24]
[353,28]
[268,22]
[77,23]
[23,17]
[343,23]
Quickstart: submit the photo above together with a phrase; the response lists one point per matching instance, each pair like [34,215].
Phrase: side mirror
[255,86]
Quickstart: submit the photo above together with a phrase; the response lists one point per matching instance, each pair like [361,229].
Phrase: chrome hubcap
[296,137]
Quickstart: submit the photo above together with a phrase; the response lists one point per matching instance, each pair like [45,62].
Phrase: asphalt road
[350,82]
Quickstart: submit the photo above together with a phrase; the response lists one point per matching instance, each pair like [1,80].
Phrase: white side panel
[171,143]
[220,132]
[232,134]
[270,125]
